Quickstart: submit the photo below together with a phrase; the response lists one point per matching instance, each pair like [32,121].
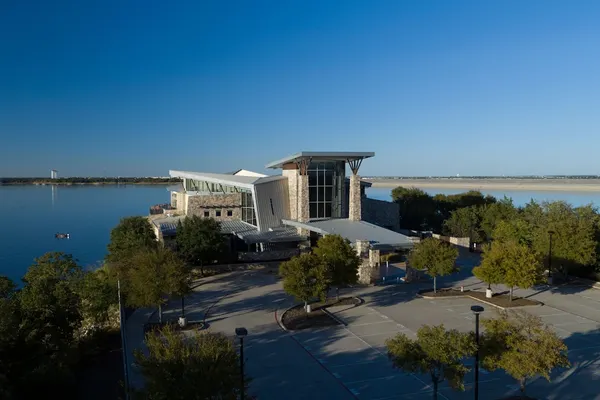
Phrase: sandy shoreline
[542,185]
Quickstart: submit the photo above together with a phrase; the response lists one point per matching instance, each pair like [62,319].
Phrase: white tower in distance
[53,174]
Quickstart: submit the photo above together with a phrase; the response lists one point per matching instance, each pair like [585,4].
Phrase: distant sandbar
[545,185]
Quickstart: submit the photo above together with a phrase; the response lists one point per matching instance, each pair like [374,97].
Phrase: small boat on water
[62,235]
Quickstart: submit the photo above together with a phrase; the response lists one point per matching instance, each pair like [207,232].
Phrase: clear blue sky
[433,87]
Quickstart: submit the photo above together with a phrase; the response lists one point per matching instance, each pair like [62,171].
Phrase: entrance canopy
[380,238]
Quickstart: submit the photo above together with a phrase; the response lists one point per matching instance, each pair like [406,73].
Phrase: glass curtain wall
[207,187]
[248,214]
[325,185]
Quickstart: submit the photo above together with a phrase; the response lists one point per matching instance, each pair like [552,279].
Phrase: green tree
[417,208]
[340,259]
[518,230]
[180,367]
[99,299]
[523,346]
[129,236]
[491,269]
[305,277]
[199,240]
[491,214]
[436,351]
[49,305]
[574,241]
[435,257]
[520,266]
[465,222]
[155,274]
[9,344]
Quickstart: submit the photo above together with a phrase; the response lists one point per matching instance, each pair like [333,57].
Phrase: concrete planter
[182,322]
[489,293]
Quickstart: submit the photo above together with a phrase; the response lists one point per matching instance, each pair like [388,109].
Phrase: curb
[279,318]
[338,320]
[482,301]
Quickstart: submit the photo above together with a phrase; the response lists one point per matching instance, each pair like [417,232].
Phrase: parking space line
[372,379]
[552,315]
[384,333]
[374,323]
[353,364]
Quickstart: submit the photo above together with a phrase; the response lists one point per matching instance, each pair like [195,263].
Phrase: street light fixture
[477,310]
[241,333]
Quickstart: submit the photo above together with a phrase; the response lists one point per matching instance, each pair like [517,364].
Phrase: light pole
[550,255]
[241,333]
[477,310]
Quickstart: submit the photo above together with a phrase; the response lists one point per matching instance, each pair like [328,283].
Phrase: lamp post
[477,310]
[550,233]
[241,333]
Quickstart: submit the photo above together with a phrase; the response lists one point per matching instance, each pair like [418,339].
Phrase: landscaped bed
[296,318]
[498,300]
[190,326]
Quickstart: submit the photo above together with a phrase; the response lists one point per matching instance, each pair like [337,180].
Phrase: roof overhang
[241,181]
[380,238]
[321,156]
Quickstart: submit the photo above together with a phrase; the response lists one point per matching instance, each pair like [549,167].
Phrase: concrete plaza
[350,362]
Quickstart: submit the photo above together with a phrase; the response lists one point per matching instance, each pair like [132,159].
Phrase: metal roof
[321,155]
[355,230]
[246,182]
[168,226]
[277,235]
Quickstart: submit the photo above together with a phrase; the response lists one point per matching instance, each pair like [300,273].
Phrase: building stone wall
[457,241]
[198,205]
[354,206]
[382,213]
[303,202]
[292,177]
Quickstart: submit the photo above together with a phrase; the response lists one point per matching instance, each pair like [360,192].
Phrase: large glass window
[325,184]
[248,214]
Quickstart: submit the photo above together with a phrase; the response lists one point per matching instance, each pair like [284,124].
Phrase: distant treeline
[485,177]
[88,181]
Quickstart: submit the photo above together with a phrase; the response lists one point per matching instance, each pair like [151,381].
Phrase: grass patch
[297,319]
[499,300]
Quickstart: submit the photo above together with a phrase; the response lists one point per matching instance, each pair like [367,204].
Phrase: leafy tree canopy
[340,259]
[491,270]
[305,277]
[520,344]
[436,351]
[130,235]
[153,275]
[199,240]
[7,287]
[493,213]
[437,258]
[465,222]
[203,366]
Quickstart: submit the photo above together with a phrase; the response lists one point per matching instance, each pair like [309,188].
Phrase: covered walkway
[378,237]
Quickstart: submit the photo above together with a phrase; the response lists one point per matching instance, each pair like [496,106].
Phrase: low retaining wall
[268,255]
[461,242]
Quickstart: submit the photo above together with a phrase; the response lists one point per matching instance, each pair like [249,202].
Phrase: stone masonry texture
[354,208]
[303,205]
[382,213]
[292,177]
[198,205]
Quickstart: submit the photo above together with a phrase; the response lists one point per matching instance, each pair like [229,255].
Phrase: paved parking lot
[351,362]
[356,355]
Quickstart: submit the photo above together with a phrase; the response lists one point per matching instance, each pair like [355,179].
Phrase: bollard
[397,279]
[462,289]
[384,280]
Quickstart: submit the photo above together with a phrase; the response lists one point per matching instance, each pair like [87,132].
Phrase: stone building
[272,213]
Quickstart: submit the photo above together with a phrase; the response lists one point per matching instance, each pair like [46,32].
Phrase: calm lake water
[520,197]
[33,214]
